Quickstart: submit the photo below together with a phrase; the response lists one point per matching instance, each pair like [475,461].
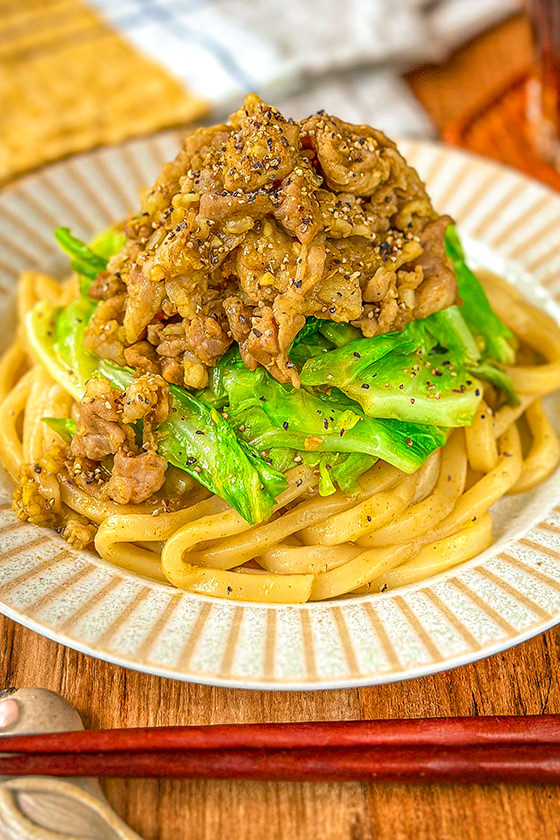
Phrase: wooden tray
[497,127]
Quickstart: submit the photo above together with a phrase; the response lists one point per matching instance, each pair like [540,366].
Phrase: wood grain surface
[521,681]
[480,68]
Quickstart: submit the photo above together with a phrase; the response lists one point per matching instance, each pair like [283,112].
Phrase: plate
[507,594]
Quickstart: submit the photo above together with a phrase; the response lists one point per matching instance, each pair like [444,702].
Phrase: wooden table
[521,681]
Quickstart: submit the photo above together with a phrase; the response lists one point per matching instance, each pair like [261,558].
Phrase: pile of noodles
[396,530]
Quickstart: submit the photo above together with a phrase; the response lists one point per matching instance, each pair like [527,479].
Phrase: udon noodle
[397,530]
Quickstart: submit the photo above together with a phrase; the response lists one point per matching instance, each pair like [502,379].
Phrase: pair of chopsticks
[483,749]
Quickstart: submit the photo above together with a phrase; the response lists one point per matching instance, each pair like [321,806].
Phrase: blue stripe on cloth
[152,11]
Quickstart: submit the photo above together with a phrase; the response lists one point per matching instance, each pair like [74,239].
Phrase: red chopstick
[450,732]
[497,763]
[488,749]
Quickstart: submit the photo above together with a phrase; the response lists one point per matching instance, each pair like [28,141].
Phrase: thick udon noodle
[397,530]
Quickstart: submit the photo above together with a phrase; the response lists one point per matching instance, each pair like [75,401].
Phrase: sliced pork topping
[258,224]
[134,478]
[146,398]
[98,431]
[112,422]
[261,149]
[353,158]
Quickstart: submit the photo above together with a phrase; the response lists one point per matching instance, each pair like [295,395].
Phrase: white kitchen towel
[346,56]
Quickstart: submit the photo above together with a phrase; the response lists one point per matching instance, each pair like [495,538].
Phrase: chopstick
[451,732]
[498,763]
[484,749]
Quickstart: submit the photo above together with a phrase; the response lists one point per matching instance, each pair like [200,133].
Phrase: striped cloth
[75,75]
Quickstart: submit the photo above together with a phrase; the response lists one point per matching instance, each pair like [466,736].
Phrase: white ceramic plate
[509,593]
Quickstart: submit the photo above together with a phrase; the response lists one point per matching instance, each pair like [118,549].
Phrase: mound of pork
[258,224]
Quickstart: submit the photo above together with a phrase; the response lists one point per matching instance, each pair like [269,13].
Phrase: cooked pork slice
[98,432]
[142,357]
[258,224]
[135,478]
[439,288]
[146,398]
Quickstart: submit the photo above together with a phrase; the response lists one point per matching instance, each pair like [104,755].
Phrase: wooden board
[521,681]
[474,72]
